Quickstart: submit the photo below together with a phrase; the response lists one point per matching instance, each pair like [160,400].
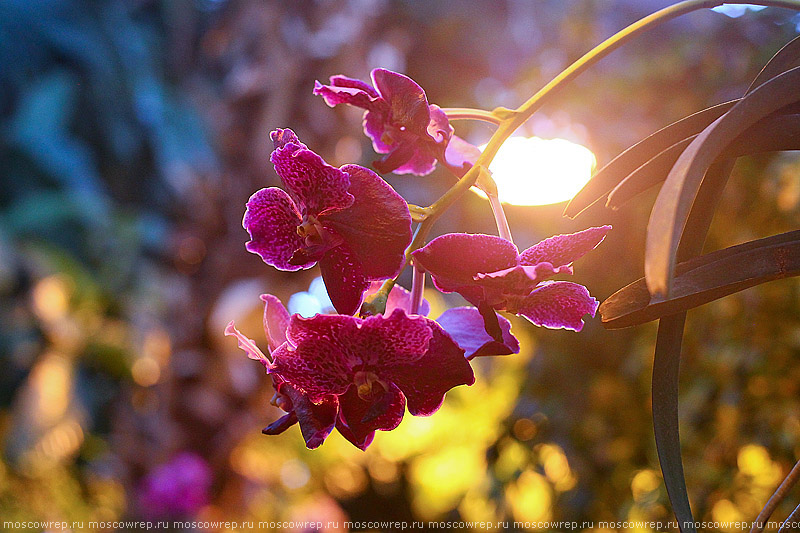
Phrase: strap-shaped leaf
[666,366]
[605,179]
[784,59]
[668,356]
[707,278]
[674,202]
[774,133]
[637,158]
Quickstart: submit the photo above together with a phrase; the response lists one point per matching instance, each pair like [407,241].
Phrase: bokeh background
[132,132]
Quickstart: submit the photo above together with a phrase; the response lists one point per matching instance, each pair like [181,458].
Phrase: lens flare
[535,171]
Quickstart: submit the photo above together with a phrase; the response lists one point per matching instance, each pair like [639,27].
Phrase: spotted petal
[557,304]
[316,186]
[465,326]
[407,101]
[377,226]
[562,250]
[316,420]
[319,356]
[397,339]
[359,419]
[519,279]
[344,278]
[271,219]
[454,260]
[426,380]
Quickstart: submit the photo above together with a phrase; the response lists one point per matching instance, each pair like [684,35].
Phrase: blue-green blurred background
[132,132]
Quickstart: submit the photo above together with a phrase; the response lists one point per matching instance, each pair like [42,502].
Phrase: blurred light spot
[725,512]
[294,474]
[644,484]
[524,429]
[348,150]
[50,381]
[735,11]
[476,507]
[157,345]
[386,55]
[754,461]
[62,441]
[51,298]
[345,480]
[311,302]
[556,467]
[531,500]
[191,250]
[460,466]
[535,171]
[383,470]
[513,458]
[146,371]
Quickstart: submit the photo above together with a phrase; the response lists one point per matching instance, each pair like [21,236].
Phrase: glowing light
[534,171]
[735,11]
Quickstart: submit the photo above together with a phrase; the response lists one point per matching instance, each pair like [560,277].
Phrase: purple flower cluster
[359,374]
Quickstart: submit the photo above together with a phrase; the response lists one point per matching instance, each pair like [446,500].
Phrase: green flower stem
[417,290]
[509,120]
[464,113]
[503,230]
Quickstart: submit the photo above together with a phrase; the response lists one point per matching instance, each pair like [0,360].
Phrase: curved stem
[791,520]
[465,113]
[776,498]
[510,120]
[417,290]
[503,230]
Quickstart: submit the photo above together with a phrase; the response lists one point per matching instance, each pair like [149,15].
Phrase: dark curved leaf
[707,278]
[671,210]
[776,132]
[605,179]
[637,158]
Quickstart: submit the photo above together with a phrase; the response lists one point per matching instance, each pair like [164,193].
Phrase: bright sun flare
[534,171]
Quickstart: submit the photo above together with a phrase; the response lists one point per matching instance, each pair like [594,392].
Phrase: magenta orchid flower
[398,119]
[355,374]
[346,219]
[463,324]
[492,275]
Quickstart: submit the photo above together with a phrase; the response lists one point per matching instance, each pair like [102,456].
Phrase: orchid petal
[316,186]
[318,355]
[397,339]
[362,418]
[377,226]
[271,219]
[407,102]
[425,381]
[453,261]
[562,250]
[248,345]
[556,304]
[344,279]
[276,320]
[465,326]
[316,420]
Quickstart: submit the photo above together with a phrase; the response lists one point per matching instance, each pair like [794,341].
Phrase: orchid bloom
[346,219]
[355,374]
[398,119]
[492,275]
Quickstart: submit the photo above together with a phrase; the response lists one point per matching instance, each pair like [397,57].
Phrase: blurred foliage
[133,131]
